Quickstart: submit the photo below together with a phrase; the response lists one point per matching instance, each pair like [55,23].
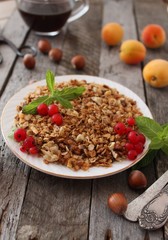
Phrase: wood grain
[112,68]
[157,98]
[17,36]
[56,208]
[37,206]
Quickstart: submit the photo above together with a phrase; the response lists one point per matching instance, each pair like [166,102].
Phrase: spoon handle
[155,214]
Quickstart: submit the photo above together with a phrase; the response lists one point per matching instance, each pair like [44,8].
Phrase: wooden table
[6,9]
[34,205]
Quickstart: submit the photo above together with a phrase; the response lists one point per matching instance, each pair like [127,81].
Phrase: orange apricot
[155,73]
[132,52]
[153,36]
[112,33]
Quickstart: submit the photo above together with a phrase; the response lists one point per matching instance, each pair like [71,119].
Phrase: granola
[86,138]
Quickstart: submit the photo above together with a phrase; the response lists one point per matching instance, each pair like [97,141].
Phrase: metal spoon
[19,52]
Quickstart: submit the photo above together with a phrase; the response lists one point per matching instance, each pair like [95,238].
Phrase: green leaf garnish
[156,143]
[63,96]
[50,79]
[69,93]
[64,102]
[158,134]
[11,133]
[164,148]
[31,108]
[148,126]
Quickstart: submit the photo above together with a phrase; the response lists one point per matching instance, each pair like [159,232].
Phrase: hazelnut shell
[78,62]
[29,61]
[137,180]
[117,202]
[44,46]
[55,54]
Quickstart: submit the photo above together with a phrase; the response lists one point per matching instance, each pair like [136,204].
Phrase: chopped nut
[80,138]
[86,138]
[97,100]
[90,147]
[34,130]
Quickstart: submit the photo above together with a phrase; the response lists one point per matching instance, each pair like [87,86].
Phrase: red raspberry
[20,134]
[141,138]
[33,150]
[139,147]
[29,142]
[129,146]
[120,128]
[23,149]
[52,109]
[133,137]
[57,118]
[42,109]
[131,121]
[128,129]
[132,155]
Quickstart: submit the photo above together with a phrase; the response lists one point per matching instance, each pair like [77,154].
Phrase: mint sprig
[158,134]
[63,96]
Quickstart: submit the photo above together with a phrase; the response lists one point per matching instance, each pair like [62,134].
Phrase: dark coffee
[45,18]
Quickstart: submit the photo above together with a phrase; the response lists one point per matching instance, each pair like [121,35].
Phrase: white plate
[7,121]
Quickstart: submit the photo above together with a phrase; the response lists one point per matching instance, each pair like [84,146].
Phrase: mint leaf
[164,148]
[156,143]
[50,79]
[11,133]
[64,102]
[164,125]
[69,93]
[148,126]
[64,96]
[165,132]
[146,160]
[31,108]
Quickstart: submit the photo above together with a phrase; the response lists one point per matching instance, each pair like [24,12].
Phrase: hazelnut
[137,180]
[29,61]
[117,202]
[55,54]
[78,62]
[44,46]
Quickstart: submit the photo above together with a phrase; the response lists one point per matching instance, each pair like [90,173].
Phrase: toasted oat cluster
[87,137]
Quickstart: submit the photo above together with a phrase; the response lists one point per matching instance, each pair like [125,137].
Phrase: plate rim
[88,78]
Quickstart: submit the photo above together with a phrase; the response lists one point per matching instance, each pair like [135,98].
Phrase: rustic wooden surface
[6,9]
[34,205]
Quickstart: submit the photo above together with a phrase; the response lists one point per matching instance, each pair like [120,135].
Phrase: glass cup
[47,17]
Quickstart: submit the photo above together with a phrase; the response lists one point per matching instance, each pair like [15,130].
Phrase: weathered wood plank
[13,173]
[83,37]
[112,68]
[157,98]
[6,8]
[57,208]
[13,181]
[17,36]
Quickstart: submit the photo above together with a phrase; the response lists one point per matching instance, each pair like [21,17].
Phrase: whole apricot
[112,33]
[132,52]
[153,36]
[156,73]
